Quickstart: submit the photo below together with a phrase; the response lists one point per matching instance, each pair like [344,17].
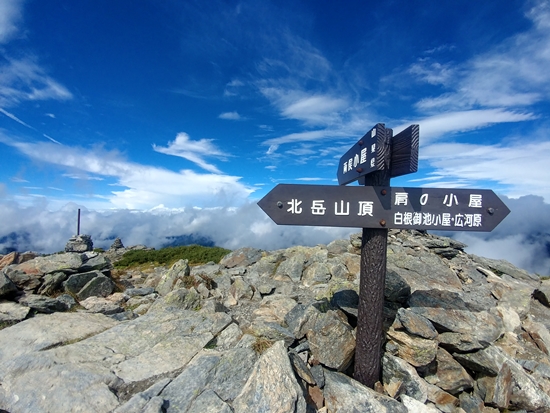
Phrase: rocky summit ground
[272,331]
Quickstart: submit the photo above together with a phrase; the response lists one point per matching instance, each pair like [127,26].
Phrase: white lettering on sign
[373,148]
[356,160]
[294,206]
[345,167]
[350,164]
[449,200]
[415,219]
[363,156]
[342,211]
[365,208]
[373,133]
[424,199]
[372,162]
[401,198]
[317,207]
[475,201]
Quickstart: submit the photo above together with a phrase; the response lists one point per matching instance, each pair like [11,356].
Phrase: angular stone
[450,375]
[209,402]
[9,259]
[301,319]
[79,243]
[416,324]
[40,333]
[7,287]
[272,386]
[101,305]
[415,350]
[487,361]
[177,271]
[138,292]
[41,303]
[504,267]
[332,341]
[100,286]
[347,301]
[413,405]
[139,401]
[22,280]
[316,273]
[223,373]
[75,282]
[464,321]
[542,293]
[52,282]
[12,313]
[240,289]
[343,394]
[243,257]
[94,261]
[271,331]
[275,308]
[301,368]
[68,262]
[461,342]
[443,401]
[539,334]
[396,288]
[180,299]
[292,268]
[425,272]
[395,369]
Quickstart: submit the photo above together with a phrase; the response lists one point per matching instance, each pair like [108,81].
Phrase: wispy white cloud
[445,124]
[11,13]
[518,168]
[15,118]
[230,116]
[146,186]
[194,151]
[512,74]
[52,139]
[24,80]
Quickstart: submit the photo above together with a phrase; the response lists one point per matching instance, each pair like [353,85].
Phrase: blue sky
[131,109]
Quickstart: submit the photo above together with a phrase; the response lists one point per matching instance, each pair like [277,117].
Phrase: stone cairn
[79,243]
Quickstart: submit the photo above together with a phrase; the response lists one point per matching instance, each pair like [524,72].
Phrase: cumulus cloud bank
[520,238]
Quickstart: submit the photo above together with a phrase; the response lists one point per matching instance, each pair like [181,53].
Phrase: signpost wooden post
[376,207]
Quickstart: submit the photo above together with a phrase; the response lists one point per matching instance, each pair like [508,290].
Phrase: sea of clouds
[523,238]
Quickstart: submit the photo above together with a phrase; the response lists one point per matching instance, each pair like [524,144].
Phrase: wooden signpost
[375,207]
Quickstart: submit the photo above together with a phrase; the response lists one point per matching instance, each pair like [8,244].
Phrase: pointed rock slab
[224,374]
[100,286]
[76,282]
[450,375]
[332,341]
[344,394]
[177,271]
[395,370]
[68,262]
[415,406]
[272,386]
[484,326]
[415,350]
[539,334]
[424,272]
[243,257]
[11,312]
[416,324]
[292,268]
[40,333]
[139,401]
[7,287]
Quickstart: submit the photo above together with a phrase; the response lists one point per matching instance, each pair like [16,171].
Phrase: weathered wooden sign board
[375,207]
[384,207]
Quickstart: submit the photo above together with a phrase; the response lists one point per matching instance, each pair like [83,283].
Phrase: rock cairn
[79,243]
[274,331]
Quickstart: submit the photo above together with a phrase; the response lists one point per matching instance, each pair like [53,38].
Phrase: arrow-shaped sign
[385,207]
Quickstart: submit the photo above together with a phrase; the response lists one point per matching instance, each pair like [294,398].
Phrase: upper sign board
[404,152]
[385,207]
[365,156]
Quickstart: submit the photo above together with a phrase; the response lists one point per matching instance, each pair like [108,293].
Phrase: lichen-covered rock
[272,386]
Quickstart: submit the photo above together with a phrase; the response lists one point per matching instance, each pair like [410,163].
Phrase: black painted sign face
[365,156]
[385,207]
